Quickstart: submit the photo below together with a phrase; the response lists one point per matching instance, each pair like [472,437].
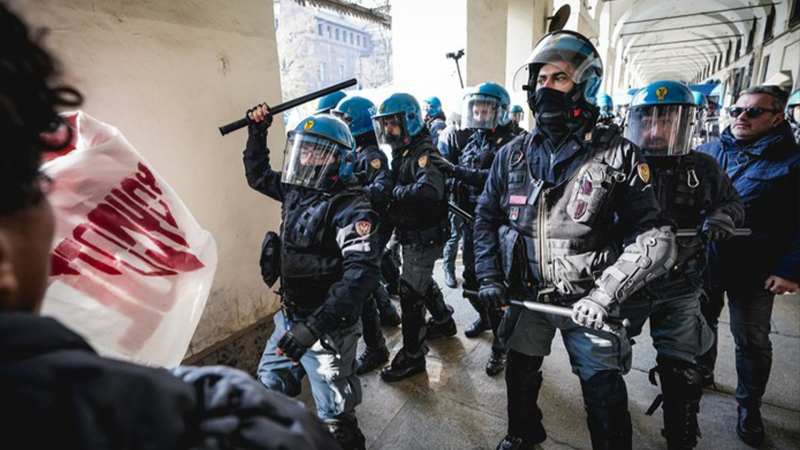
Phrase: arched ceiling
[677,39]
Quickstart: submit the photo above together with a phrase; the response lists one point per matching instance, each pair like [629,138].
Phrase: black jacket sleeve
[257,169]
[489,215]
[637,208]
[377,178]
[428,186]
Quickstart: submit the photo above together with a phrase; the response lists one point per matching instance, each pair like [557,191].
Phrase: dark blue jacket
[452,142]
[766,173]
[329,248]
[372,170]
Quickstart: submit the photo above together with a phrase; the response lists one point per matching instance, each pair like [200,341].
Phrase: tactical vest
[311,258]
[415,216]
[564,231]
[479,155]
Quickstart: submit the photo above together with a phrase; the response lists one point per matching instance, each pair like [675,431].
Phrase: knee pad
[679,379]
[605,389]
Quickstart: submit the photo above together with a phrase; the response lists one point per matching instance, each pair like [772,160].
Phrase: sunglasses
[736,111]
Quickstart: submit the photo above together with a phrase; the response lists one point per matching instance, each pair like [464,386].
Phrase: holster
[270,258]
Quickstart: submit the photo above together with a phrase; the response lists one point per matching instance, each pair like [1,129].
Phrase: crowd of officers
[581,225]
[615,219]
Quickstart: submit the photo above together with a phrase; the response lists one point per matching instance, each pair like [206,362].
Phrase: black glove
[493,293]
[398,192]
[443,164]
[718,227]
[258,128]
[296,341]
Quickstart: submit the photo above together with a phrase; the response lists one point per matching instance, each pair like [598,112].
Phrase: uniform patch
[423,161]
[513,214]
[363,227]
[308,125]
[517,157]
[661,93]
[405,152]
[644,172]
[517,200]
[375,163]
[499,140]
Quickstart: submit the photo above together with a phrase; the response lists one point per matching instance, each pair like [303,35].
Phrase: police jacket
[435,126]
[452,142]
[58,393]
[557,217]
[517,130]
[690,188]
[372,170]
[766,173]
[419,203]
[329,251]
[475,162]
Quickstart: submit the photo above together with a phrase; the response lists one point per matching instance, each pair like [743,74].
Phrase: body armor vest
[415,216]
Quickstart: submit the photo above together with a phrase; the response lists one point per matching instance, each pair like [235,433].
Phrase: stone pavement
[457,406]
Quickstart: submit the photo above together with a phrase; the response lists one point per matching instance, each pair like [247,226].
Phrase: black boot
[477,327]
[750,427]
[441,323]
[523,382]
[681,392]
[404,366]
[606,400]
[514,443]
[346,431]
[371,359]
[497,362]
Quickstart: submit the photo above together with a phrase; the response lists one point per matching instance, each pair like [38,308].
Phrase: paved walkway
[457,406]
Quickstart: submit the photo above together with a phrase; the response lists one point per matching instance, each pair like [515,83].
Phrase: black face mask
[555,116]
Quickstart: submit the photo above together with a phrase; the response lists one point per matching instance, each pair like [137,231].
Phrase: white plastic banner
[131,268]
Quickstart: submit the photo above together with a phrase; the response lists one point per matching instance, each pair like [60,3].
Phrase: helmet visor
[480,112]
[391,131]
[311,161]
[574,56]
[661,130]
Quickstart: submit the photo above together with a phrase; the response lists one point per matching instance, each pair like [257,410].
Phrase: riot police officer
[434,117]
[486,110]
[329,265]
[793,114]
[517,115]
[328,102]
[701,112]
[419,214]
[550,226]
[371,170]
[694,193]
[606,106]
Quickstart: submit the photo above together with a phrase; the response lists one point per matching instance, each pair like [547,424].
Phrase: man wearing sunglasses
[761,157]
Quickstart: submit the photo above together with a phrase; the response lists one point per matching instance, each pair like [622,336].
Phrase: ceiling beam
[686,41]
[682,16]
[635,33]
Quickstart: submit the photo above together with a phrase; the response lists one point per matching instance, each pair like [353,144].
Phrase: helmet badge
[308,125]
[661,93]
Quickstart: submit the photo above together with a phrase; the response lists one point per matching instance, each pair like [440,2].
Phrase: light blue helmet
[571,52]
[319,153]
[605,103]
[329,102]
[794,101]
[485,98]
[357,113]
[516,109]
[431,106]
[399,111]
[700,100]
[662,118]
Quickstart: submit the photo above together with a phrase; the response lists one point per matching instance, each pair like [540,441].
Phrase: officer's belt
[433,234]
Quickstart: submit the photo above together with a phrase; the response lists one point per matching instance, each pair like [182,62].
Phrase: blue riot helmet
[517,114]
[357,113]
[700,100]
[319,152]
[661,119]
[397,121]
[792,110]
[605,104]
[327,103]
[485,107]
[573,54]
[431,107]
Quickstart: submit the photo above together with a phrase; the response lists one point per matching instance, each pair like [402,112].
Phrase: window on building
[329,32]
[768,28]
[794,18]
[319,29]
[337,34]
[764,67]
[752,37]
[358,40]
[351,39]
[728,54]
[322,71]
[738,49]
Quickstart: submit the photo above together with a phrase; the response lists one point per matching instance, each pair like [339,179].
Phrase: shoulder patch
[363,227]
[423,161]
[644,172]
[375,163]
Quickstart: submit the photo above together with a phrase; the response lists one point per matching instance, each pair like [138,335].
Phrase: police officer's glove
[718,226]
[258,120]
[399,192]
[493,293]
[443,164]
[587,313]
[296,341]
